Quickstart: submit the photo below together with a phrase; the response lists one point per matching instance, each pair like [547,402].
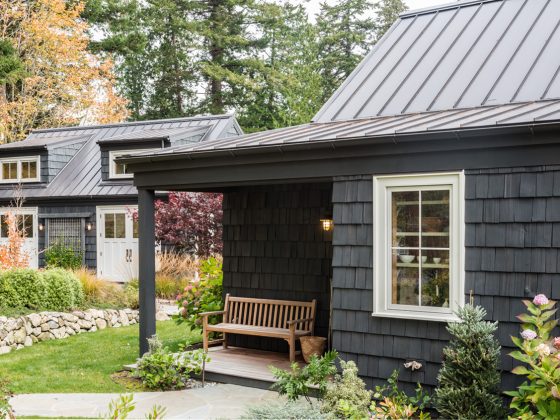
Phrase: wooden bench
[285,319]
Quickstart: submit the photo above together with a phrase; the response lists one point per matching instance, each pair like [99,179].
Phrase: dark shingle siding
[512,236]
[274,248]
[59,156]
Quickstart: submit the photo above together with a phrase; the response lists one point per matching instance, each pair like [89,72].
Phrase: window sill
[418,316]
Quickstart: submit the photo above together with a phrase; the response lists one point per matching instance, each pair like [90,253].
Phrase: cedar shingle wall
[274,248]
[512,238]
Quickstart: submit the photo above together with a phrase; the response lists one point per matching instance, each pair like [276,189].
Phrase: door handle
[127,256]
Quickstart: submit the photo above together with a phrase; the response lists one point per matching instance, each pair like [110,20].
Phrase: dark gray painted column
[147,269]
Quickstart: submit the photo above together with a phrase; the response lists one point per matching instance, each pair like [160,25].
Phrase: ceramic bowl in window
[424,258]
[436,260]
[406,258]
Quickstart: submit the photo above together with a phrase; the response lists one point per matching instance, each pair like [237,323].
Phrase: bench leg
[224,343]
[292,344]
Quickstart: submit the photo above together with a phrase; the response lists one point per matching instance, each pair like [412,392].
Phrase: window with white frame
[20,169]
[119,170]
[418,231]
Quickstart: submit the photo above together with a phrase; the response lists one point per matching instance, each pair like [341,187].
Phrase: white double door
[27,220]
[117,243]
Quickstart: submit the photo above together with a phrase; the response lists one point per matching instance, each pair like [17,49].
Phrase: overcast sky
[313,5]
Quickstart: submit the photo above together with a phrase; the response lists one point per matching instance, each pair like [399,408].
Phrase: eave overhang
[228,167]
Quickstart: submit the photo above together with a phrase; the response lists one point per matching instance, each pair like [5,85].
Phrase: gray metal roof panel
[176,133]
[41,142]
[538,112]
[81,177]
[461,55]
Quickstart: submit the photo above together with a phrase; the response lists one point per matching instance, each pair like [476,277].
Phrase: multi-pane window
[19,169]
[118,169]
[25,225]
[115,225]
[418,241]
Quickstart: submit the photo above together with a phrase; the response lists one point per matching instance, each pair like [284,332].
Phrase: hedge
[53,289]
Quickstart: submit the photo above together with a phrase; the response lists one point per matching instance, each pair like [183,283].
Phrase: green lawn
[82,363]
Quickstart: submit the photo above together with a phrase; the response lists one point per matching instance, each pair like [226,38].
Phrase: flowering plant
[203,295]
[539,396]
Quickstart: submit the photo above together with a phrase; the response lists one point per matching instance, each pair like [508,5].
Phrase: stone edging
[24,331]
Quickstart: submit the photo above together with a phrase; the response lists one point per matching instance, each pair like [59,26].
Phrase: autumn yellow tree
[48,78]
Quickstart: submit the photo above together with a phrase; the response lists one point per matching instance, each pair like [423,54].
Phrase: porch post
[147,268]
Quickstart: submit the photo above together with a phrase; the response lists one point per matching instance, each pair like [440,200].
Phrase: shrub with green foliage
[61,256]
[163,370]
[468,382]
[204,295]
[394,403]
[347,396]
[9,297]
[289,411]
[538,397]
[297,382]
[29,286]
[64,290]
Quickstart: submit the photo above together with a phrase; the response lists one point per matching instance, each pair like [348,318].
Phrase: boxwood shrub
[52,289]
[64,291]
[29,286]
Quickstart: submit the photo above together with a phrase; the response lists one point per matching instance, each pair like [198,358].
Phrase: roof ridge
[133,123]
[445,6]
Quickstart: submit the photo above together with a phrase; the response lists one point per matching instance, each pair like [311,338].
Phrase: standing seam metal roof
[538,112]
[81,177]
[462,55]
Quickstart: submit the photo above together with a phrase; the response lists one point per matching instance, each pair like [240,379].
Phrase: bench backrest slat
[269,313]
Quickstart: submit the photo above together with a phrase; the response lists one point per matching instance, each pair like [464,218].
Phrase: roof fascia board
[204,178]
[281,151]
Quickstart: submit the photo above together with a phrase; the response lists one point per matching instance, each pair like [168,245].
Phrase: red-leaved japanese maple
[191,222]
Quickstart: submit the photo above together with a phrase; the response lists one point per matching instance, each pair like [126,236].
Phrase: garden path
[213,401]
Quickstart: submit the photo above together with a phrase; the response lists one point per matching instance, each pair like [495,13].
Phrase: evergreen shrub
[468,382]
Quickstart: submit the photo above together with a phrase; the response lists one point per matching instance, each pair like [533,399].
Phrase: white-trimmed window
[418,240]
[20,169]
[118,170]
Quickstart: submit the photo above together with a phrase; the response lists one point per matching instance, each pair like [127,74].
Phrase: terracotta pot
[311,345]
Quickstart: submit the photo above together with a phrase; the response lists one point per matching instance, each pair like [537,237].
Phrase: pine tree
[346,32]
[468,382]
[386,13]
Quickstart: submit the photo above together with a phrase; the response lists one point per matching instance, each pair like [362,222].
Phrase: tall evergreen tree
[468,382]
[386,13]
[288,81]
[345,33]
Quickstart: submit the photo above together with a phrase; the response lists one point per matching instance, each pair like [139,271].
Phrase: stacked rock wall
[16,333]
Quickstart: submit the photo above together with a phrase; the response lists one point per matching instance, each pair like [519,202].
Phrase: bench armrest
[297,321]
[205,314]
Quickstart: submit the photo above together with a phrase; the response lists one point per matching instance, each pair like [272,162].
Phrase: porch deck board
[247,363]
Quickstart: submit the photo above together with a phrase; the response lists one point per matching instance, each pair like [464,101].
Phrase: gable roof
[81,177]
[462,55]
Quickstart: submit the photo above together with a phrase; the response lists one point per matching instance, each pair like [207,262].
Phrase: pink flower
[185,303]
[540,300]
[184,312]
[178,297]
[528,334]
[556,343]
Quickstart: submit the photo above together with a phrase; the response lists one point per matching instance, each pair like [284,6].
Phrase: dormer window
[119,170]
[20,169]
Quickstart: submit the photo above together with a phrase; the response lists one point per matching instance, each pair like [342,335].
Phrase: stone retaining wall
[16,333]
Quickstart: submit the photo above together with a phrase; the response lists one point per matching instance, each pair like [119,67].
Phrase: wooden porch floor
[243,366]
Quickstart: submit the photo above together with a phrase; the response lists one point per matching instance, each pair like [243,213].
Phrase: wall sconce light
[41,227]
[89,226]
[327,224]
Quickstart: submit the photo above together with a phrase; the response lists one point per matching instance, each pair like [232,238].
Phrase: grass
[82,363]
